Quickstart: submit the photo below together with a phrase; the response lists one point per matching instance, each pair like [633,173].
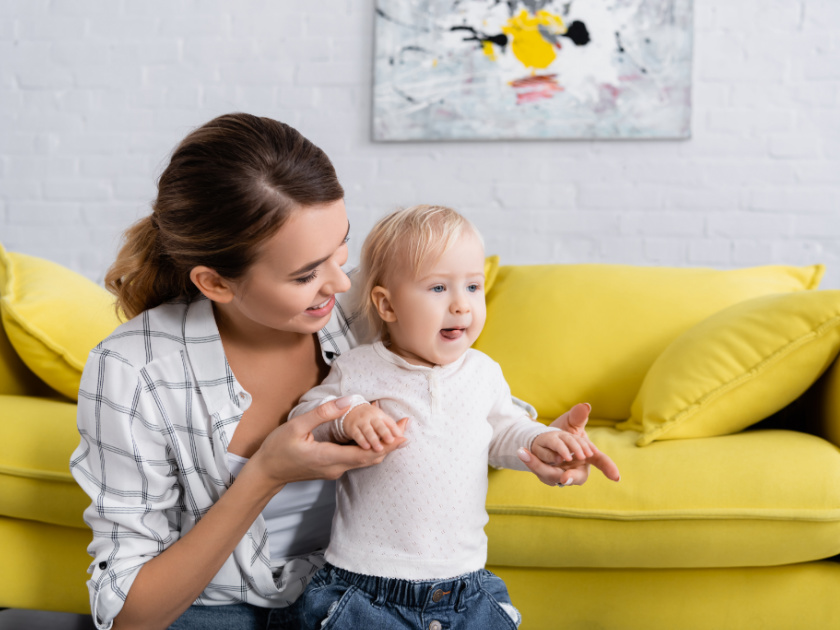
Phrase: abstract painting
[531,69]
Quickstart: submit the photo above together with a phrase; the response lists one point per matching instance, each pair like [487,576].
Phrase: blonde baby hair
[406,239]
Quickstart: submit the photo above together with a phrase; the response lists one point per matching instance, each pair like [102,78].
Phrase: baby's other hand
[370,427]
[556,448]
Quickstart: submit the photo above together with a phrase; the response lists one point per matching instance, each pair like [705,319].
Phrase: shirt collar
[399,361]
[215,379]
[218,386]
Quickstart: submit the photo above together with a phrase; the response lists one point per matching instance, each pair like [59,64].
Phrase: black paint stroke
[385,16]
[500,40]
[623,51]
[578,33]
[398,58]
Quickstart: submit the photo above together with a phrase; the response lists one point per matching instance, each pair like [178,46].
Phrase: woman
[230,285]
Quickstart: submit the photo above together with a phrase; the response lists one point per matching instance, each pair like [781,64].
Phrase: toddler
[408,546]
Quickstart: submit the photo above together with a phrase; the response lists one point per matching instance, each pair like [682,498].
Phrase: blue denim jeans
[238,617]
[337,599]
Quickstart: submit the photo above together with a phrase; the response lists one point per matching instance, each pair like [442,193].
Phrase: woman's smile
[323,309]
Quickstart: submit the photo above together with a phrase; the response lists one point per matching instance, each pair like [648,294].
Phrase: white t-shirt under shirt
[421,513]
[298,518]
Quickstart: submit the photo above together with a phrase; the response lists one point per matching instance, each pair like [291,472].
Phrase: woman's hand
[291,453]
[576,471]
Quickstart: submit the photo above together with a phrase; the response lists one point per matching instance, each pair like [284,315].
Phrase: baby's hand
[559,447]
[369,427]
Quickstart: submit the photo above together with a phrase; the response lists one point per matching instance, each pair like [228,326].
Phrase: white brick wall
[95,93]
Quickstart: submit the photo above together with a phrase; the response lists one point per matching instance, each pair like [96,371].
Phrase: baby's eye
[438,288]
[473,288]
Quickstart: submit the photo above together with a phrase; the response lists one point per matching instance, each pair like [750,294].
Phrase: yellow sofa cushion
[737,367]
[756,498]
[565,334]
[770,598]
[491,270]
[15,377]
[53,317]
[35,554]
[37,437]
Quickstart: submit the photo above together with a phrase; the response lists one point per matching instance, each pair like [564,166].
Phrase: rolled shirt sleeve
[125,466]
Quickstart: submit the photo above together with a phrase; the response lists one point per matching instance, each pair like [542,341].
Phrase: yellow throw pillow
[565,334]
[491,270]
[53,317]
[738,367]
[15,378]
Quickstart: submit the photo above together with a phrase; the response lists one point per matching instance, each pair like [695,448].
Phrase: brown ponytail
[229,186]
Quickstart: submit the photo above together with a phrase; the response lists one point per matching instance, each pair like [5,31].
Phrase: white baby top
[421,513]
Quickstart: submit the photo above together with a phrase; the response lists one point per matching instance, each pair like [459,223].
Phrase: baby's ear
[381,299]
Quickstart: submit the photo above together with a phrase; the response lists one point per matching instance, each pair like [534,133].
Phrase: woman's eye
[307,279]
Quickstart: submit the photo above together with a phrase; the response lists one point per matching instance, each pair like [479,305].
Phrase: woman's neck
[246,334]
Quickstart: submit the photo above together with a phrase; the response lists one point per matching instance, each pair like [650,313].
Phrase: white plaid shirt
[158,406]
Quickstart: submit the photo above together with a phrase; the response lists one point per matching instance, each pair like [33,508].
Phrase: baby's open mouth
[452,333]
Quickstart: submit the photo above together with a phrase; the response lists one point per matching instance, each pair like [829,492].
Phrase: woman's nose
[339,282]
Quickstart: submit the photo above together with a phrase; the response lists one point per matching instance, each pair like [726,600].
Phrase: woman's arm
[169,583]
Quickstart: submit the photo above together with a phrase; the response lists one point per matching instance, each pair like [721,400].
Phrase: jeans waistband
[425,594]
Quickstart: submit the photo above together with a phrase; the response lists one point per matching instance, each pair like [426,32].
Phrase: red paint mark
[535,88]
[611,89]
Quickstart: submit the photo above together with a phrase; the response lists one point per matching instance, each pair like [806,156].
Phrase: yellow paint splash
[528,45]
[488,49]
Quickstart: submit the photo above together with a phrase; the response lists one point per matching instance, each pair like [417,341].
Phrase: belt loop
[381,597]
[459,601]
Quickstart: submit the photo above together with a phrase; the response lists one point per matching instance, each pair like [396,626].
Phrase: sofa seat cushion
[37,437]
[756,498]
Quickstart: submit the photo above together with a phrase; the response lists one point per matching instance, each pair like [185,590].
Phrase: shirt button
[435,625]
[437,596]
[103,565]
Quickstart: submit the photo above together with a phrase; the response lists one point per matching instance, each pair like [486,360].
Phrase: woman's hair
[229,186]
[405,240]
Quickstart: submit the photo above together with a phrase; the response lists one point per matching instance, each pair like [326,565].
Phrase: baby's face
[440,313]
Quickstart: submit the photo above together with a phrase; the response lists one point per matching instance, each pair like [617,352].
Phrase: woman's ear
[381,299]
[211,284]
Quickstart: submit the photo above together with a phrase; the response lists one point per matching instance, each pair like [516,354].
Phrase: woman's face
[292,285]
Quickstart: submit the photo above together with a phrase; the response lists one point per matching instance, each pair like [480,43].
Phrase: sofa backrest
[565,334]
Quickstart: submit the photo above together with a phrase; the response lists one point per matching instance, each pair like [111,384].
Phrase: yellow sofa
[716,392]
